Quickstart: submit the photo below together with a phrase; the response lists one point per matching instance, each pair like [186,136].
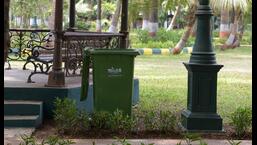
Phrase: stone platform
[16,88]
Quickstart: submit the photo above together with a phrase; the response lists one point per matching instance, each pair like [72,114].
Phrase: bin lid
[115,51]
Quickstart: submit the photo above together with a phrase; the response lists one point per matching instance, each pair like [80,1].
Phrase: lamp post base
[201,111]
[201,122]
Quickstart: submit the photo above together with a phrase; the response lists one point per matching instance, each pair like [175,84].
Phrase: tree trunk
[145,20]
[173,21]
[224,23]
[234,38]
[240,34]
[90,4]
[183,40]
[153,19]
[26,21]
[193,31]
[51,18]
[6,29]
[115,18]
[231,20]
[22,22]
[98,21]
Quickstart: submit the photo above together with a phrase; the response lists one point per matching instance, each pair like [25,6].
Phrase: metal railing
[25,45]
[23,40]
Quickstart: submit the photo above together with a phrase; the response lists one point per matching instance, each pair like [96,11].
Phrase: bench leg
[42,71]
[9,65]
[33,73]
[24,66]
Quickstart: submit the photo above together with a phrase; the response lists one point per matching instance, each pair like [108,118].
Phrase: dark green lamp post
[201,113]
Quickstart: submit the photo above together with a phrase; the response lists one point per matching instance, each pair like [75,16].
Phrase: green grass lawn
[163,81]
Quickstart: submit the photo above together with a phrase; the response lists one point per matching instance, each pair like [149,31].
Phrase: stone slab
[12,136]
[155,141]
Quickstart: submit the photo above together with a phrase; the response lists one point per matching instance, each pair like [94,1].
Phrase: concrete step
[21,107]
[22,121]
[21,113]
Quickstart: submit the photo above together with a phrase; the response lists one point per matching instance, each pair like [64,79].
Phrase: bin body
[113,72]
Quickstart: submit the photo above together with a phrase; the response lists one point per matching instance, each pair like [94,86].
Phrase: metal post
[72,15]
[124,25]
[99,12]
[6,29]
[201,113]
[56,76]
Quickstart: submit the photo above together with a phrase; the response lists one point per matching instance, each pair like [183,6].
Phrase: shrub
[191,137]
[55,140]
[68,119]
[51,140]
[164,39]
[241,119]
[82,25]
[117,121]
[121,122]
[82,122]
[167,121]
[232,142]
[215,33]
[100,119]
[125,142]
[150,121]
[164,121]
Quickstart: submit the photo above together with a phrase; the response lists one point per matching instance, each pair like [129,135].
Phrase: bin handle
[85,75]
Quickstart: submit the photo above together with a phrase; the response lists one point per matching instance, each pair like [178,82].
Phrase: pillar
[124,25]
[56,76]
[72,15]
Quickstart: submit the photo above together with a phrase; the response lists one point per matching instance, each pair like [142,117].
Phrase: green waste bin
[113,72]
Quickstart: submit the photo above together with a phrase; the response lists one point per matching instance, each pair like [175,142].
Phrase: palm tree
[191,21]
[145,19]
[239,7]
[224,23]
[173,5]
[193,31]
[145,7]
[135,9]
[172,23]
[6,28]
[153,18]
[115,17]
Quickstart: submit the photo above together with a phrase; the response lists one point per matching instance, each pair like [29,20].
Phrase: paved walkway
[155,141]
[12,137]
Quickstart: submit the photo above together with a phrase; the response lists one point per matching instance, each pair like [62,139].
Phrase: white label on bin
[114,71]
